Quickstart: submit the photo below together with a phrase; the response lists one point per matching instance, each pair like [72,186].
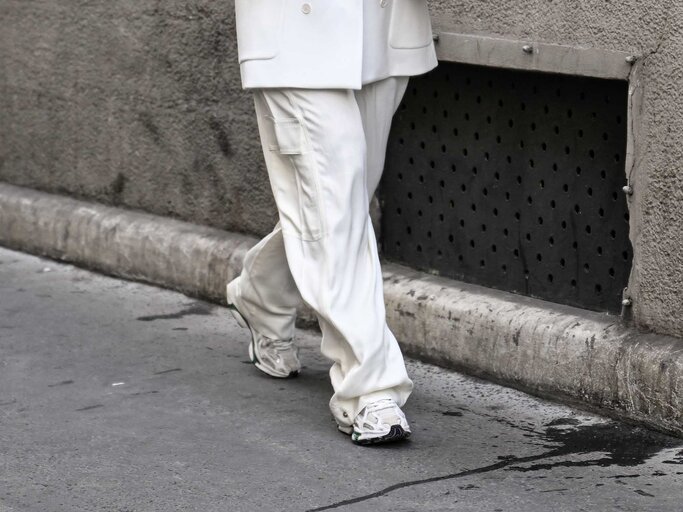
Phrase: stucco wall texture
[135,103]
[138,103]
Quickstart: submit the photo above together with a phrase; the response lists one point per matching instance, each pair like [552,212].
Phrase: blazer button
[384,3]
[306,8]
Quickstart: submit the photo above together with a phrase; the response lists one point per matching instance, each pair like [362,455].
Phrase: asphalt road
[119,396]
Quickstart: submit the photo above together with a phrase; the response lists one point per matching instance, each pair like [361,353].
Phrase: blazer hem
[261,74]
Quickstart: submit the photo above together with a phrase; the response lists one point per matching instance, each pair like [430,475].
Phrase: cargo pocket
[298,185]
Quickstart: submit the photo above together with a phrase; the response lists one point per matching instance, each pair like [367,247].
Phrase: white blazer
[329,44]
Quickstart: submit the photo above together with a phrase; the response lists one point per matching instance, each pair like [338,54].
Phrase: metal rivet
[306,8]
[631,59]
[527,48]
[628,189]
[627,302]
[345,414]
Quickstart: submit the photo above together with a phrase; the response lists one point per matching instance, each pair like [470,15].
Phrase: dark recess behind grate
[511,180]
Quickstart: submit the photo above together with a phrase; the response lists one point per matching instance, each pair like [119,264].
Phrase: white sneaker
[382,421]
[277,358]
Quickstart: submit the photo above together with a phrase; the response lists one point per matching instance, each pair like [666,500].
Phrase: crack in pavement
[452,476]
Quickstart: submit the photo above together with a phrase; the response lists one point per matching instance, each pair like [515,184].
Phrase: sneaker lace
[373,417]
[381,405]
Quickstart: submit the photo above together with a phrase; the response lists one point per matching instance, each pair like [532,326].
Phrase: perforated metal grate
[512,180]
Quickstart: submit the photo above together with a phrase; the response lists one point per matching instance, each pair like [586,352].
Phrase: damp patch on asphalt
[195,309]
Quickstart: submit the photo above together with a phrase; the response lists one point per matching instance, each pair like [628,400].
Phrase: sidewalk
[119,396]
[550,350]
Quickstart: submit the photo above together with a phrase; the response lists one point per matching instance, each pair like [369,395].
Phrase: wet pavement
[119,396]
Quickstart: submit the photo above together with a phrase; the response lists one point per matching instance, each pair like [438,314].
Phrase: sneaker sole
[242,322]
[396,433]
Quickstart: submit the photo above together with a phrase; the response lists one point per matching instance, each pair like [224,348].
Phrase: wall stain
[116,187]
[147,121]
[515,337]
[221,136]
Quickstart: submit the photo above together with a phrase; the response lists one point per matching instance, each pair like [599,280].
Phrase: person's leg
[267,289]
[377,103]
[263,298]
[316,160]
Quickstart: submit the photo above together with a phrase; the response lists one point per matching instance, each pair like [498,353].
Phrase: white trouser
[324,151]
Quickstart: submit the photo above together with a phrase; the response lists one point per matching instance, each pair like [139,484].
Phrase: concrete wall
[135,103]
[139,104]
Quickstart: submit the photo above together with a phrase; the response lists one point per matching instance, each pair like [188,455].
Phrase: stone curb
[547,349]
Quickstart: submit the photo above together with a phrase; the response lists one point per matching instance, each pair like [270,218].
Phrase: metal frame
[532,56]
[484,50]
[455,46]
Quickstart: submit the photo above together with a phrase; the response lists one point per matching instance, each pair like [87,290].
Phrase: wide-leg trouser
[324,151]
